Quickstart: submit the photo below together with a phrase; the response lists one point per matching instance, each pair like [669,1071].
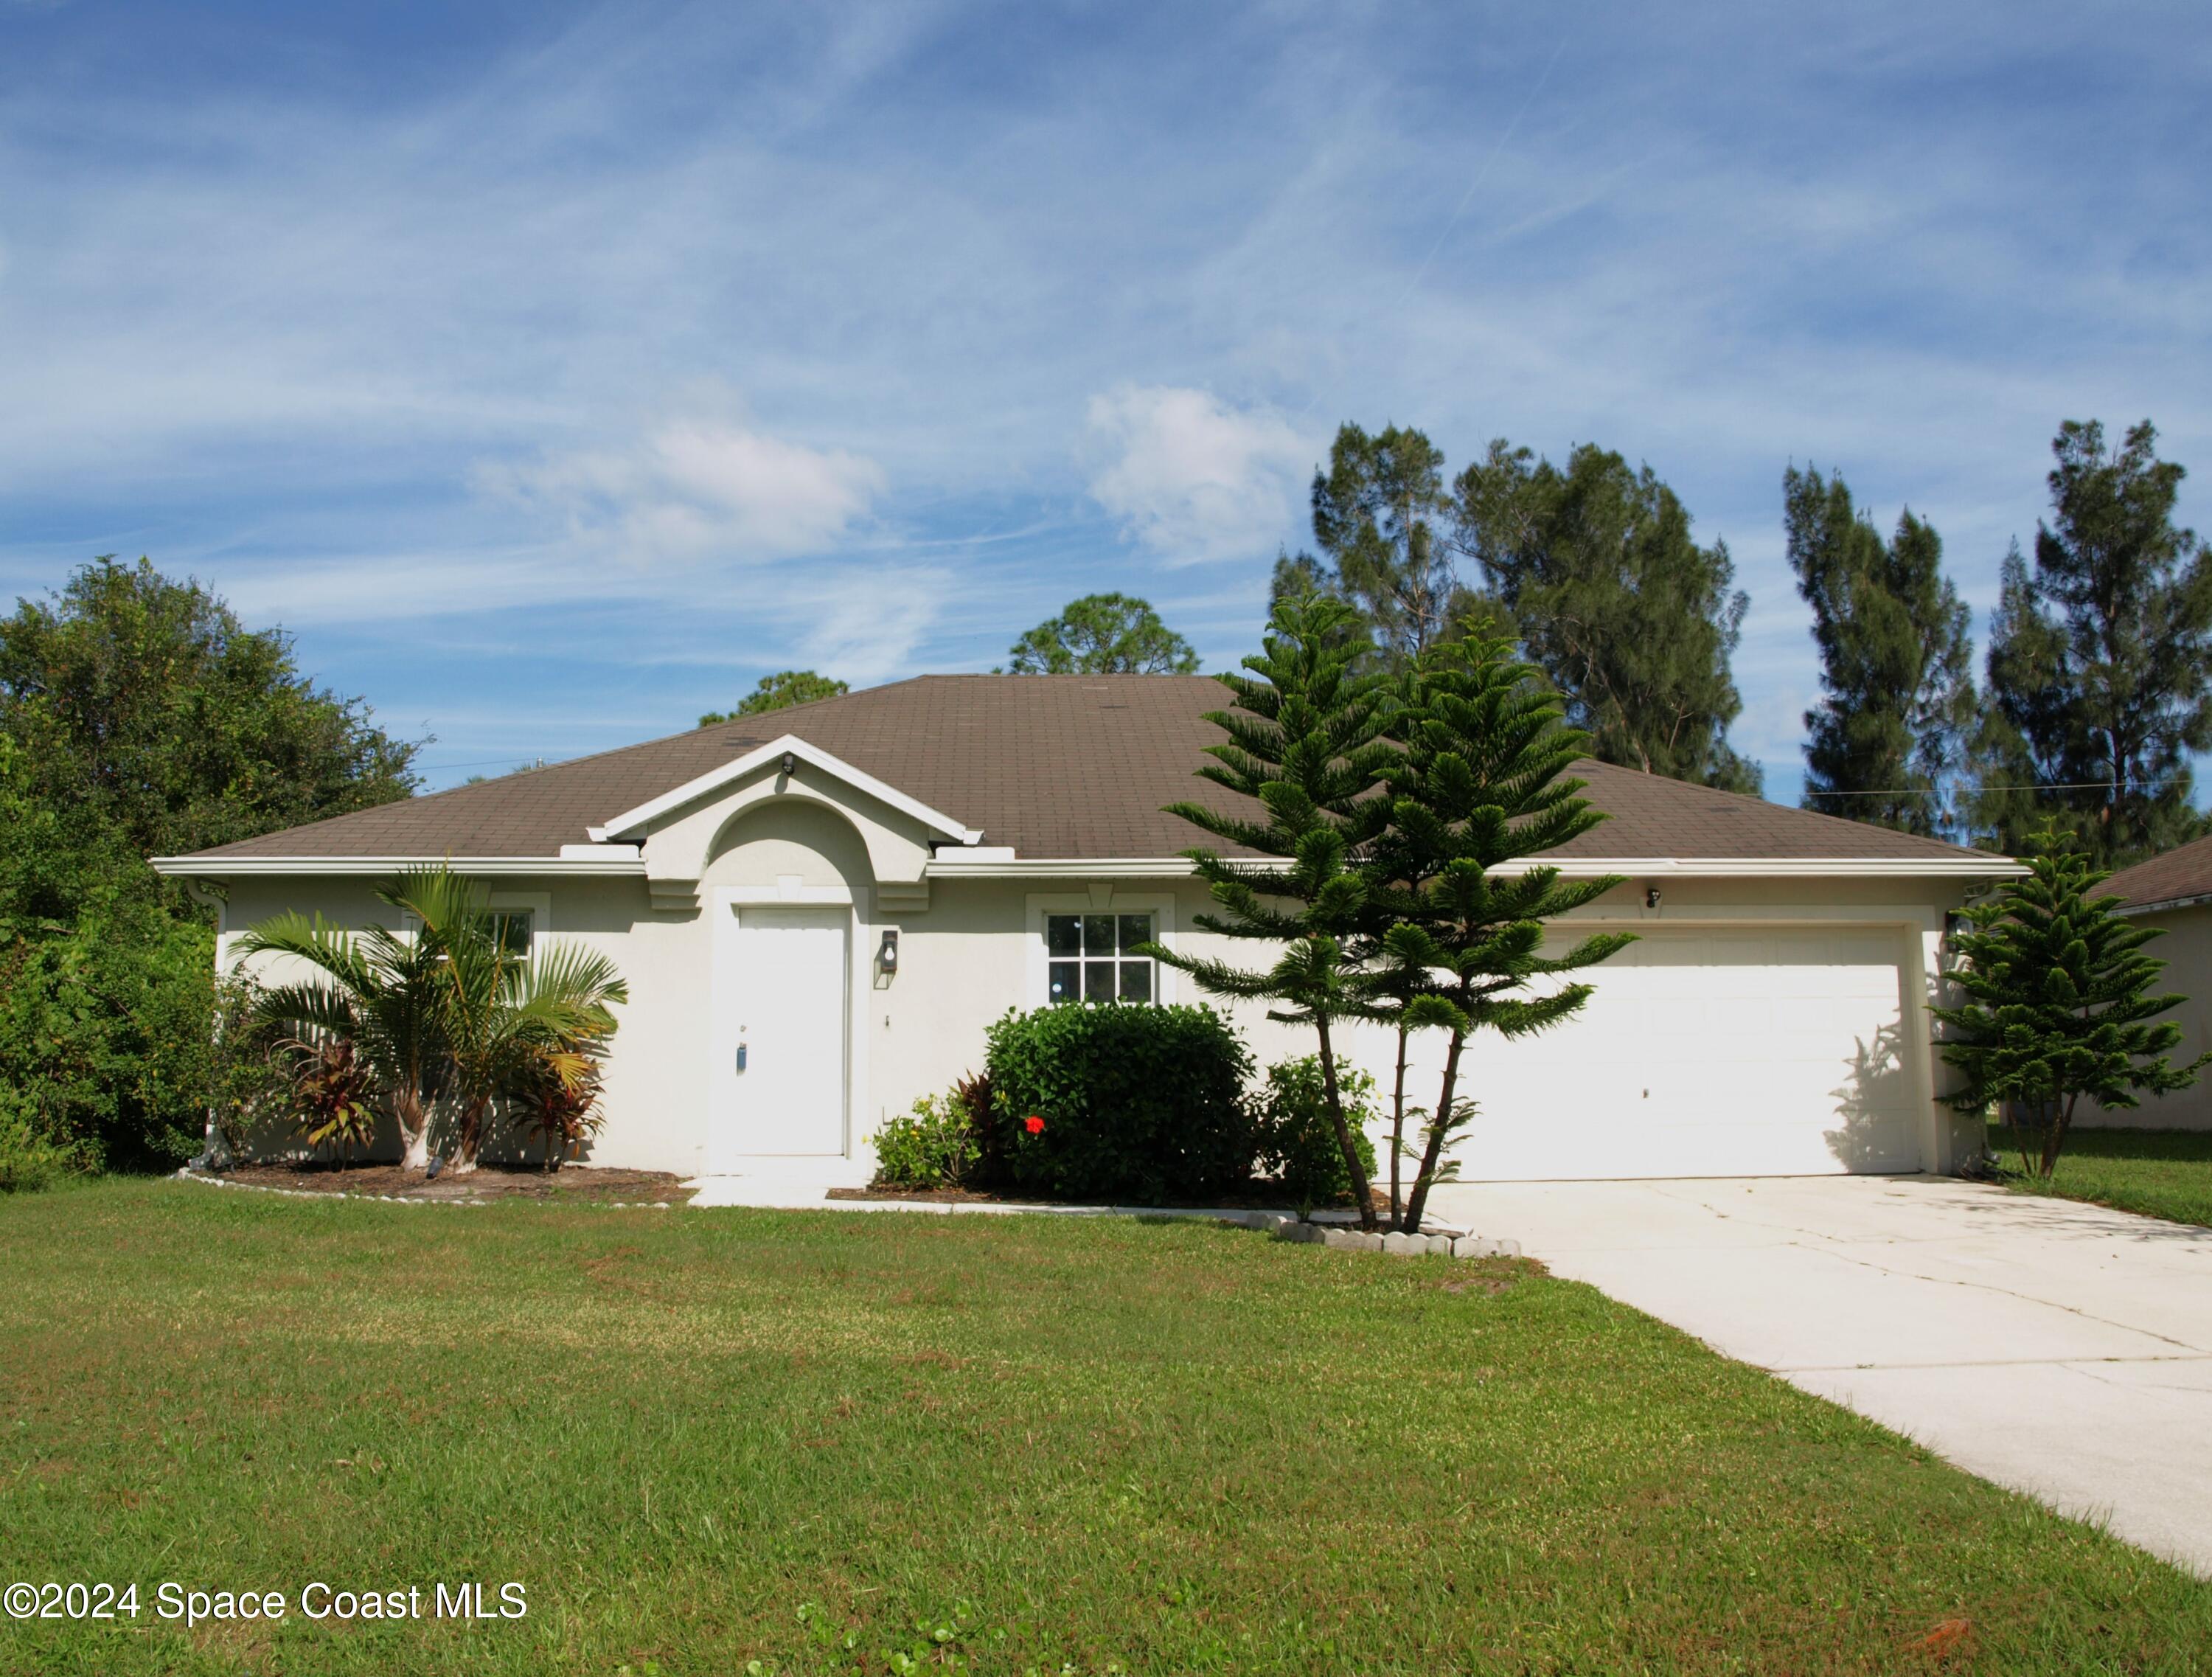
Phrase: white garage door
[1704,1053]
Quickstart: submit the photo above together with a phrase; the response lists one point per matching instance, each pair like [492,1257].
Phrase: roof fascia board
[946,867]
[2164,904]
[248,867]
[633,823]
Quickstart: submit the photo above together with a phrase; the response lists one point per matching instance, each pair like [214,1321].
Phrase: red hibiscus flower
[1033,1124]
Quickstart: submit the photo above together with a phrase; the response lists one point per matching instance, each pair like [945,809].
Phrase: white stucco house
[2173,892]
[819,911]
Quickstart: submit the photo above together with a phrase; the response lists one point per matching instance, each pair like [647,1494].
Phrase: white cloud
[697,490]
[1192,479]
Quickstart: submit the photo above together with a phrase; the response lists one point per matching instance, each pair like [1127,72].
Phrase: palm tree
[376,989]
[449,1014]
[514,1024]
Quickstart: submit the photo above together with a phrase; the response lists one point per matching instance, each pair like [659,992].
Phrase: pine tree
[2100,658]
[2058,1005]
[1626,615]
[1103,635]
[1888,739]
[1304,744]
[1479,784]
[1378,516]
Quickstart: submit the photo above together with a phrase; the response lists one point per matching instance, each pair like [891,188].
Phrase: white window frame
[1160,905]
[538,904]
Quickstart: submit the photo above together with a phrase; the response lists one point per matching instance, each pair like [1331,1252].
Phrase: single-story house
[2173,892]
[819,911]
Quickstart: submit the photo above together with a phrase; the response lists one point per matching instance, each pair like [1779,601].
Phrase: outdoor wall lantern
[887,953]
[790,765]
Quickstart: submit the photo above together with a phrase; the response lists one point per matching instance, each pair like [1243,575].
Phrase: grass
[2158,1173]
[825,1442]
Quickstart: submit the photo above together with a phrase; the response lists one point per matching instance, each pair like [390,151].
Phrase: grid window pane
[1098,980]
[1136,980]
[1066,978]
[1063,934]
[1098,934]
[1135,929]
[510,928]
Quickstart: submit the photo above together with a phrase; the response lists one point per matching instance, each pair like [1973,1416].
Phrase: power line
[1937,792]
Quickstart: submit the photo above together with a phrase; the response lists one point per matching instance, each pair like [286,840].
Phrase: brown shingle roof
[1072,767]
[2181,872]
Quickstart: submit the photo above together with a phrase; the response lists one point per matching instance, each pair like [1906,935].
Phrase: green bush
[106,1046]
[1132,1103]
[28,1161]
[934,1145]
[1293,1139]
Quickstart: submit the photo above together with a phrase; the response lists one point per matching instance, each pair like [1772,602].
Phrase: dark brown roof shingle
[1073,766]
[2182,871]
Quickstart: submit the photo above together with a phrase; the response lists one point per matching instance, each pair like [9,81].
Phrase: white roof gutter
[586,860]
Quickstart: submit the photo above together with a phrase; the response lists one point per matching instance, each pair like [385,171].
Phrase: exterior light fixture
[1651,896]
[887,953]
[790,765]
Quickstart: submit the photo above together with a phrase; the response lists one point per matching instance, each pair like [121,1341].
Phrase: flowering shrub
[934,1145]
[1119,1102]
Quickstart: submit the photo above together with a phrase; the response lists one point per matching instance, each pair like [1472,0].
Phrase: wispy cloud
[421,335]
[691,491]
[1192,479]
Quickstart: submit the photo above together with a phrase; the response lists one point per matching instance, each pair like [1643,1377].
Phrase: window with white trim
[511,928]
[1091,957]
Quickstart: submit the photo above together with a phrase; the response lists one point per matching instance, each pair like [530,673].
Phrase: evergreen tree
[2100,658]
[2059,1005]
[1304,744]
[1479,784]
[1888,740]
[1379,517]
[779,691]
[146,701]
[1105,635]
[1626,615]
[138,717]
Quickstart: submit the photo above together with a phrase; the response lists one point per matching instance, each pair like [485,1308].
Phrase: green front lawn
[838,1442]
[2159,1173]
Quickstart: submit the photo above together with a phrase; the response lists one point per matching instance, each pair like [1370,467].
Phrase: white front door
[780,1033]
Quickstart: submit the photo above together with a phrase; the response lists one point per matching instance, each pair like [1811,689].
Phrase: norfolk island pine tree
[1478,781]
[2058,1002]
[1304,743]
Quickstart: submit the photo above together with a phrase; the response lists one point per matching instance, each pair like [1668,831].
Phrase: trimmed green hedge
[1138,1104]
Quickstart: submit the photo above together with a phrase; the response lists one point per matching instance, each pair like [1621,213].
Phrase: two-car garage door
[1718,1052]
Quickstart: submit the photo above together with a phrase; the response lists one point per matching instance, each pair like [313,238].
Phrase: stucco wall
[2186,949]
[972,952]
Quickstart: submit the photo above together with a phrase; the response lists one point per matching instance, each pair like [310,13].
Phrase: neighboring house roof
[2181,875]
[1061,767]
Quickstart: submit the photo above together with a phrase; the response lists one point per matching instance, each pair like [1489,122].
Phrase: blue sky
[552,372]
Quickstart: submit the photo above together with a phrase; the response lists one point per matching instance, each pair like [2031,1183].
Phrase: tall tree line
[2095,692]
[1591,567]
[2096,688]
[139,717]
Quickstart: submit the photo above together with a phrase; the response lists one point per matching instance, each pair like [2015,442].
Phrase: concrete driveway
[2062,1350]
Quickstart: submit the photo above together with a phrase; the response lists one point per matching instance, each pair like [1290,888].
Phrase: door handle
[741,1056]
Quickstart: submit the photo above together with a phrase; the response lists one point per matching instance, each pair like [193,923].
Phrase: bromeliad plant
[450,1016]
[2059,1005]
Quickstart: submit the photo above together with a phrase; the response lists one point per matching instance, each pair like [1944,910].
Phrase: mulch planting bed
[488,1181]
[1257,1197]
